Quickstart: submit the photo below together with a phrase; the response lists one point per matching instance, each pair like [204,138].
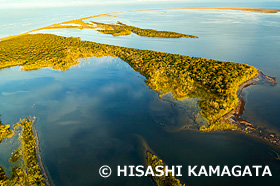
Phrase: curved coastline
[163,77]
[240,107]
[235,116]
[247,127]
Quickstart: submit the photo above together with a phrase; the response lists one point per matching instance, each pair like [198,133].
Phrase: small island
[120,29]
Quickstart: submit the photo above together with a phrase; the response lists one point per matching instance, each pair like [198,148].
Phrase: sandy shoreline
[38,153]
[247,127]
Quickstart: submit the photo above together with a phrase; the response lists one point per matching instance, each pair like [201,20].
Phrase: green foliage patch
[5,131]
[169,180]
[123,29]
[29,173]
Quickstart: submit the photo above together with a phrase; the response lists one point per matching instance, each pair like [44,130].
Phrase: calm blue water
[100,111]
[97,113]
[246,37]
[16,21]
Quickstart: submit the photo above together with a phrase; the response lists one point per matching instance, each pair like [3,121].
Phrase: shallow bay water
[99,112]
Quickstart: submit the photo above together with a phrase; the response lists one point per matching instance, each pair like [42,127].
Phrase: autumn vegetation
[5,131]
[28,172]
[120,28]
[214,82]
[154,161]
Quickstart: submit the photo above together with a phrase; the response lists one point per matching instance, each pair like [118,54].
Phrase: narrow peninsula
[120,28]
[29,172]
[214,82]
